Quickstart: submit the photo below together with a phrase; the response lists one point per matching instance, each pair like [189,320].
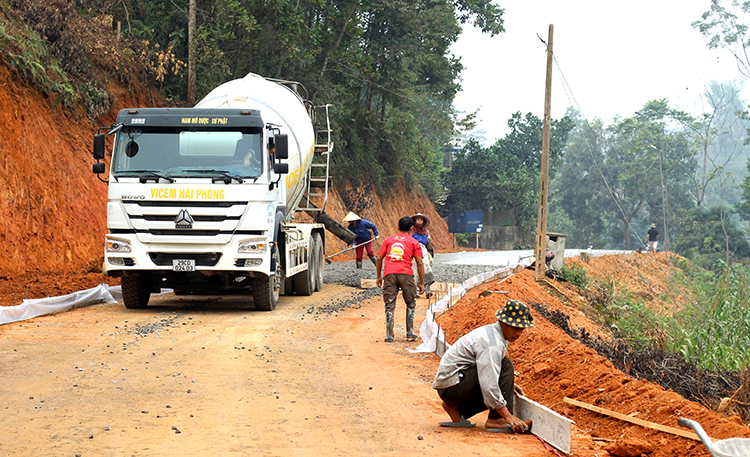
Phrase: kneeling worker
[475,374]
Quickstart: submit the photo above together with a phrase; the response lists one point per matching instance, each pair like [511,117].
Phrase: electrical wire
[571,99]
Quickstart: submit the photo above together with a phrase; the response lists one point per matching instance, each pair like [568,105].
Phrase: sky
[615,56]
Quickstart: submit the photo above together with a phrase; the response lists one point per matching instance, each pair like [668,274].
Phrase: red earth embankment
[552,365]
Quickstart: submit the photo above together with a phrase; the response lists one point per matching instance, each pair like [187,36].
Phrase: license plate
[183,264]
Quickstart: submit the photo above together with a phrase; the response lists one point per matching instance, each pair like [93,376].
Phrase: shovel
[350,248]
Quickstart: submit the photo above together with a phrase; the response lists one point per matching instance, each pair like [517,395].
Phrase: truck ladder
[320,179]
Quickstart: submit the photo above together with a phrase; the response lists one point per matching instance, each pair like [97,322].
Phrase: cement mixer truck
[202,200]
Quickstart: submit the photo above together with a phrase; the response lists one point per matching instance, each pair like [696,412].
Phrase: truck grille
[201,260]
[213,221]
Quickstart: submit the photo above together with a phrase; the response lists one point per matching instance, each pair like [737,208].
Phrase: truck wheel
[304,280]
[266,289]
[136,291]
[318,259]
[288,287]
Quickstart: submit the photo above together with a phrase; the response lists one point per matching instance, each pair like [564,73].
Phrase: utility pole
[191,54]
[541,231]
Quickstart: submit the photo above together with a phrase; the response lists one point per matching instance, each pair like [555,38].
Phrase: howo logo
[183,220]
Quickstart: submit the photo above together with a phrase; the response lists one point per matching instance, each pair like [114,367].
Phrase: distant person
[397,252]
[420,233]
[475,373]
[361,228]
[653,238]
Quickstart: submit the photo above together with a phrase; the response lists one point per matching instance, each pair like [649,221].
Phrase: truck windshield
[185,153]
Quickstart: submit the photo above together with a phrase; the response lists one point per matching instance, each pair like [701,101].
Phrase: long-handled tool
[349,249]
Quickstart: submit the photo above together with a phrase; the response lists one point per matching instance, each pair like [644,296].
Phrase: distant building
[448,150]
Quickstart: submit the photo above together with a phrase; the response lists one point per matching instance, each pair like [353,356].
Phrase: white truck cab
[202,200]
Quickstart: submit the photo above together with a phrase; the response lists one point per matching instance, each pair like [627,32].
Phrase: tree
[709,235]
[623,167]
[717,138]
[577,194]
[505,176]
[723,29]
[385,64]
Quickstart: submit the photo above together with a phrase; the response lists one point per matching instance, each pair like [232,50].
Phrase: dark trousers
[391,284]
[467,394]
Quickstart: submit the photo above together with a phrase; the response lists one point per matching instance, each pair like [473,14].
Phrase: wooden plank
[633,420]
[553,428]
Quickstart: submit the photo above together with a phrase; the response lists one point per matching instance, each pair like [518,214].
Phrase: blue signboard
[465,221]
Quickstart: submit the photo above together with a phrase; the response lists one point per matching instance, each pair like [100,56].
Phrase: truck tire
[266,289]
[304,280]
[136,291]
[318,259]
[288,288]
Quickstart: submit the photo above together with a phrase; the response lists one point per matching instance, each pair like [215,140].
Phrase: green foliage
[715,330]
[723,29]
[706,234]
[26,53]
[385,65]
[576,275]
[462,239]
[505,176]
[611,177]
[626,315]
[743,208]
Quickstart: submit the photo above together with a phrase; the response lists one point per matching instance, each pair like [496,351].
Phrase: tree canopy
[505,176]
[385,65]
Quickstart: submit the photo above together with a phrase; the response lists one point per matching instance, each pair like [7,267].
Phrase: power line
[571,99]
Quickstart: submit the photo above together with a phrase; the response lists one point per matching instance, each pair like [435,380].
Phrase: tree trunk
[627,234]
[191,53]
[338,41]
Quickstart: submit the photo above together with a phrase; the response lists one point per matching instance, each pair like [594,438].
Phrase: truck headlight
[117,245]
[254,246]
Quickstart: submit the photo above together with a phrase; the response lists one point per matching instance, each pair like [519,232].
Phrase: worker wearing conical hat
[420,233]
[475,373]
[361,228]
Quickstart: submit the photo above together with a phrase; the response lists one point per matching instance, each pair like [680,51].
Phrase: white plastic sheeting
[40,306]
[428,331]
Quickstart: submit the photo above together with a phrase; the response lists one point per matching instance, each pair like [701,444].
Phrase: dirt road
[212,376]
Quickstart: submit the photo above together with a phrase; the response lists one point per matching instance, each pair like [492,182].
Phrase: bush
[576,275]
[715,330]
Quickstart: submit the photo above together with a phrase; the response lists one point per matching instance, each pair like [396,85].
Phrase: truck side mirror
[99,146]
[281,142]
[98,168]
[281,168]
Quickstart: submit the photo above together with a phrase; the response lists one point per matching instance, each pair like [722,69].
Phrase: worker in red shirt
[397,251]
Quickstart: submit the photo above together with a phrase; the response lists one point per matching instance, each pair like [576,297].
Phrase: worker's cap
[515,314]
[653,225]
[351,217]
[426,220]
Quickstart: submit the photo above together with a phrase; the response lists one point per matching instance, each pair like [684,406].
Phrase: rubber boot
[374,262]
[359,264]
[389,327]
[410,335]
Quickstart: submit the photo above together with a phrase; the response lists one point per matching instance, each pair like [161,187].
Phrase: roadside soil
[551,366]
[212,376]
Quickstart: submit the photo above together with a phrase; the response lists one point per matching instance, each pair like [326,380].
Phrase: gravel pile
[347,274]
